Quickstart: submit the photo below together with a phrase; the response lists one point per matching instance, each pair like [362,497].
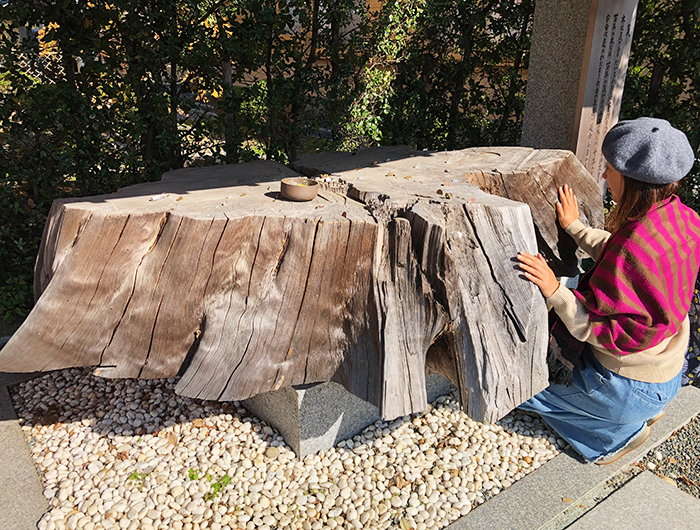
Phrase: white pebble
[212,466]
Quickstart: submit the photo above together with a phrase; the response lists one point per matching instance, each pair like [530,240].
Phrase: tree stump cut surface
[395,266]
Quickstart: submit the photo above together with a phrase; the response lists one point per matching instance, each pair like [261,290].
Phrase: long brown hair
[637,199]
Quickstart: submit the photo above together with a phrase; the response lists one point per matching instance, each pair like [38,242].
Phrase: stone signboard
[578,63]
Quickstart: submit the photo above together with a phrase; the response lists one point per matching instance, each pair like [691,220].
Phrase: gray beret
[649,149]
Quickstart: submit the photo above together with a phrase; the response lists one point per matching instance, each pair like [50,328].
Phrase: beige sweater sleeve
[573,314]
[591,240]
[571,311]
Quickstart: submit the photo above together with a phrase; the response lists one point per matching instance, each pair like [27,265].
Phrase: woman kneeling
[625,328]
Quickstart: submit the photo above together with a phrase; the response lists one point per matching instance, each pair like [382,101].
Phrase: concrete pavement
[22,502]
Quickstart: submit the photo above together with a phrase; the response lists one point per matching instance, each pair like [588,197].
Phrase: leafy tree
[97,96]
[663,78]
[459,75]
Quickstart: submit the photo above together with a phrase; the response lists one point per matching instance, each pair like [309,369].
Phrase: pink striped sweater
[639,291]
[636,297]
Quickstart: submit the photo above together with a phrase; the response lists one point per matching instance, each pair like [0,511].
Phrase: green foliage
[139,478]
[108,94]
[458,80]
[663,78]
[216,487]
[368,99]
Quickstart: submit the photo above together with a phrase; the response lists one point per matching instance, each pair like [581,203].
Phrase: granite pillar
[578,62]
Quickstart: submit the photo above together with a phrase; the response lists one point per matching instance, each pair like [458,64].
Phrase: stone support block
[316,417]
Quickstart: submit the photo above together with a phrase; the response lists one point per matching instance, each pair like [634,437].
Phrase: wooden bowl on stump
[299,188]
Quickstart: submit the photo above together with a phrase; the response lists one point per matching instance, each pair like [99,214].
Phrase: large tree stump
[211,275]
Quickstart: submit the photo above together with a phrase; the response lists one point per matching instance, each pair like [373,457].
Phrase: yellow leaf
[567,500]
[670,481]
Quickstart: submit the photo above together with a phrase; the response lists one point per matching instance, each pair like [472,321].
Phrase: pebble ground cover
[131,454]
[675,460]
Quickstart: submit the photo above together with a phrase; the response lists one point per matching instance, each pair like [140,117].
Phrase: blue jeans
[602,411]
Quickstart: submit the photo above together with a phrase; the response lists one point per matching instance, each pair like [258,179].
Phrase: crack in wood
[126,308]
[192,351]
[281,254]
[200,257]
[213,257]
[303,297]
[255,258]
[243,312]
[503,184]
[81,228]
[167,254]
[539,184]
[508,308]
[163,221]
[153,330]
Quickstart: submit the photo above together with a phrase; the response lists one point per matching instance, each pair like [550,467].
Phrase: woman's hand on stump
[567,207]
[538,272]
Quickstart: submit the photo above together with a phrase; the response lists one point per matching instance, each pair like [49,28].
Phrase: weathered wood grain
[525,175]
[397,267]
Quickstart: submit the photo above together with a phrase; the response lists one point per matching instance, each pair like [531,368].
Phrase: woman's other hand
[538,272]
[567,207]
